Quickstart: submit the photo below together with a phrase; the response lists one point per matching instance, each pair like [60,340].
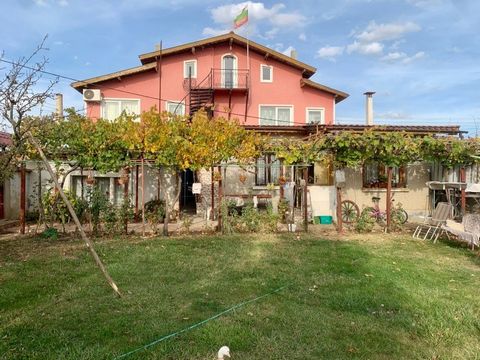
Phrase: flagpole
[248,47]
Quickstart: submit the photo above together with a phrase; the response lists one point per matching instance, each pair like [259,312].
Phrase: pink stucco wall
[284,90]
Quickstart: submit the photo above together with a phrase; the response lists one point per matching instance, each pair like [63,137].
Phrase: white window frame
[119,100]
[185,73]
[168,102]
[261,73]
[277,106]
[307,109]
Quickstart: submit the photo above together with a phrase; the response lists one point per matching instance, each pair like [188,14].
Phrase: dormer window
[190,69]
[266,73]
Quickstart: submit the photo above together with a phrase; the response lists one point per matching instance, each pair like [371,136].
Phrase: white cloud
[258,14]
[374,48]
[393,115]
[402,57]
[43,3]
[425,3]
[330,52]
[288,50]
[394,56]
[208,31]
[270,34]
[382,32]
[302,37]
[417,56]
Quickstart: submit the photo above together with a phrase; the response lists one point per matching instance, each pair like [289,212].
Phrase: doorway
[187,198]
[229,71]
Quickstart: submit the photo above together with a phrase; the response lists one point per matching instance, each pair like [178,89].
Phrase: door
[229,71]
[2,206]
[187,198]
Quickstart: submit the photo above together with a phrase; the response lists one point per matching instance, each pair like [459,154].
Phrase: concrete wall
[164,179]
[414,198]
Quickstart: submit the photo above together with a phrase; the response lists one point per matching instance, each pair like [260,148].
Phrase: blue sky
[422,57]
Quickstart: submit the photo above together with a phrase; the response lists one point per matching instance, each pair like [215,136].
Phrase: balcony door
[229,71]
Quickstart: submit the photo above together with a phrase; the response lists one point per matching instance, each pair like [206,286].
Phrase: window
[190,68]
[113,108]
[175,107]
[375,176]
[267,170]
[315,115]
[266,73]
[276,115]
[81,189]
[320,174]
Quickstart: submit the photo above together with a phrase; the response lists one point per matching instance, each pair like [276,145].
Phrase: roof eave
[308,70]
[79,85]
[339,95]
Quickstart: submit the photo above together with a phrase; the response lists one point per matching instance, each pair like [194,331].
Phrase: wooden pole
[22,198]
[125,195]
[282,190]
[339,211]
[143,196]
[389,197]
[136,192]
[220,194]
[463,199]
[305,201]
[212,189]
[88,242]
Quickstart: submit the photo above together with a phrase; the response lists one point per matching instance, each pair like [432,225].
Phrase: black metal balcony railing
[221,79]
[230,79]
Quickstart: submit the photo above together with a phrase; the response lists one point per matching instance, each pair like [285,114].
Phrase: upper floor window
[190,69]
[266,73]
[276,115]
[176,107]
[113,108]
[315,115]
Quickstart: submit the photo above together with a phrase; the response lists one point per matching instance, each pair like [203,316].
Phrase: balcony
[221,79]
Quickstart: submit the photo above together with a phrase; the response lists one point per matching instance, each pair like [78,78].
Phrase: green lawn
[368,297]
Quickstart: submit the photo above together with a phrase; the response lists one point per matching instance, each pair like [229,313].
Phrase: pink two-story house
[228,76]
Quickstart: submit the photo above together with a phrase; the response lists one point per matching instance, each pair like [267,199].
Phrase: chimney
[293,54]
[369,107]
[59,106]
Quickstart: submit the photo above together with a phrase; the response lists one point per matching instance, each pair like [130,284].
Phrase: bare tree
[19,95]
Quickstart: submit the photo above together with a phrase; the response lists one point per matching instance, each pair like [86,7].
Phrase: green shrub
[155,213]
[365,221]
[50,233]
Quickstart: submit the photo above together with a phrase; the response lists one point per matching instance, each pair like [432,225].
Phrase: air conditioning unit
[92,95]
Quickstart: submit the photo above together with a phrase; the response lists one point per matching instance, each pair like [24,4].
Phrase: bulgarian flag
[241,19]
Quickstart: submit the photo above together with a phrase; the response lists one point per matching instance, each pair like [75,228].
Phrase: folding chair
[431,228]
[468,230]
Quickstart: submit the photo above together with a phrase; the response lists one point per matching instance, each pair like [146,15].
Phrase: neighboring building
[266,91]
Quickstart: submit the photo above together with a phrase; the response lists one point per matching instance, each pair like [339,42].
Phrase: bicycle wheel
[350,211]
[400,216]
[375,214]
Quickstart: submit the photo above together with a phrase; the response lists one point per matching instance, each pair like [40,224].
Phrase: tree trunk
[389,197]
[88,242]
[167,205]
[22,198]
